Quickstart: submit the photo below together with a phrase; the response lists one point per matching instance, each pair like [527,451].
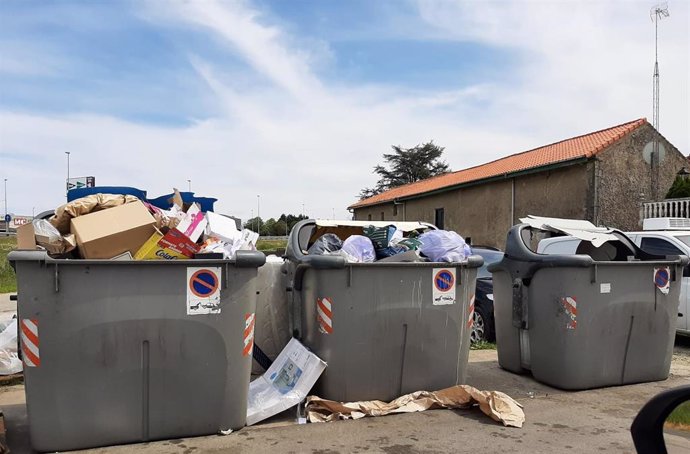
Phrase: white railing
[672,208]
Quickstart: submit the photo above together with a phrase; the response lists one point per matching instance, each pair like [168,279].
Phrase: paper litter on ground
[286,383]
[498,406]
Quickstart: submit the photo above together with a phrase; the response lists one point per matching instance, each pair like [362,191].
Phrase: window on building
[395,209]
[369,217]
[438,221]
[658,246]
[382,215]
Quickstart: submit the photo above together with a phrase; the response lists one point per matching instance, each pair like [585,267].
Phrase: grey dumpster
[127,351]
[377,325]
[579,323]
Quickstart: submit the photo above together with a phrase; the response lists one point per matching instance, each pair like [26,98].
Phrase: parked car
[661,236]
[483,327]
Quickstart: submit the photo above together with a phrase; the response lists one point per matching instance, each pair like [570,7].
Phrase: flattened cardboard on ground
[285,384]
[498,406]
[108,233]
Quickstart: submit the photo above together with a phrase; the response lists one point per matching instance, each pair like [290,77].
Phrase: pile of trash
[390,244]
[123,227]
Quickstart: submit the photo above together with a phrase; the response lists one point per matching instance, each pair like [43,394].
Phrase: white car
[659,242]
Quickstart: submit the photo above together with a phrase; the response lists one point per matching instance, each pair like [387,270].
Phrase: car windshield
[489,258]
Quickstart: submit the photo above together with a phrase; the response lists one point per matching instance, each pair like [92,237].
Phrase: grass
[8,282]
[270,245]
[483,345]
[679,419]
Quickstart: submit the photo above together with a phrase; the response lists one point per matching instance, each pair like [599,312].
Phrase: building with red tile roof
[602,176]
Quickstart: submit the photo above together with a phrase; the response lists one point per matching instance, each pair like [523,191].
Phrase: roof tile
[584,146]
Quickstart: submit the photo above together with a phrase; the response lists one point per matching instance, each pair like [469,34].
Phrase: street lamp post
[189,183]
[7,224]
[67,182]
[258,212]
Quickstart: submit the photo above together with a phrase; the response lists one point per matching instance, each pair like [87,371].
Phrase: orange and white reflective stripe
[470,317]
[249,321]
[30,351]
[324,315]
[570,307]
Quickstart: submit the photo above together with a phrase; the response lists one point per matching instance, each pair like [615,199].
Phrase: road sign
[203,290]
[8,218]
[18,221]
[443,291]
[81,182]
[662,279]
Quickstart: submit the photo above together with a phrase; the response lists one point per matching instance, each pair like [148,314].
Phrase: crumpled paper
[86,205]
[498,406]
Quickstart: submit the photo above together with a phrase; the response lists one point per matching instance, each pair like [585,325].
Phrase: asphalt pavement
[556,421]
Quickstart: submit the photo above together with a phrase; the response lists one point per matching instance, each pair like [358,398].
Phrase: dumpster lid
[405,226]
[581,229]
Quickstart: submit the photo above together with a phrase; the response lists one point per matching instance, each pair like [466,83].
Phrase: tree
[271,227]
[679,189]
[407,165]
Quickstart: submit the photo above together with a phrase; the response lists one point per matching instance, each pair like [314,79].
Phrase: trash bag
[380,236]
[46,229]
[50,238]
[9,360]
[360,248]
[328,242]
[444,246]
[390,251]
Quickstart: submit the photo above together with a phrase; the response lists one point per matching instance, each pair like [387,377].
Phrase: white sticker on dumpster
[443,286]
[203,290]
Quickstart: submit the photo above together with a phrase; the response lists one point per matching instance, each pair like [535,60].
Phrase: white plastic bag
[46,229]
[9,360]
[360,248]
[444,246]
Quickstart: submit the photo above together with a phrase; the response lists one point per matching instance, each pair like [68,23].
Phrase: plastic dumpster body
[578,323]
[111,356]
[386,336]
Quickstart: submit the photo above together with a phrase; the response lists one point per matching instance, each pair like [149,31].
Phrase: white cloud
[294,138]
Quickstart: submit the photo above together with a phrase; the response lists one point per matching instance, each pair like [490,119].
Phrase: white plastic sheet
[286,383]
[9,360]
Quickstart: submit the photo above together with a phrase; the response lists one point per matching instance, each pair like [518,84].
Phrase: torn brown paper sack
[495,404]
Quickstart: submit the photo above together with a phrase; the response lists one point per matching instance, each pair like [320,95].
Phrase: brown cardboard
[26,237]
[108,233]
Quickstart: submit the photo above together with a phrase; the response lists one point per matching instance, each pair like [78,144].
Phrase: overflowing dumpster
[128,351]
[578,322]
[384,328]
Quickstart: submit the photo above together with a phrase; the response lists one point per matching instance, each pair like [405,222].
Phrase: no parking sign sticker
[203,290]
[443,286]
[662,279]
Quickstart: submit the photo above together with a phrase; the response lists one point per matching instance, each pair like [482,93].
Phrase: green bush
[8,282]
[679,189]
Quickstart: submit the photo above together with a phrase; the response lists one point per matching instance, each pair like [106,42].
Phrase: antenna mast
[657,13]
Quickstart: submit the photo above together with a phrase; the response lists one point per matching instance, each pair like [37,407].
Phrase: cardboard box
[171,246]
[108,233]
[194,223]
[26,237]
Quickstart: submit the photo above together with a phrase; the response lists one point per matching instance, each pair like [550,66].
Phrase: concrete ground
[557,421]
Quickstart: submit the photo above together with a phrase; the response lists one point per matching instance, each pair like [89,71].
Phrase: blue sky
[297,100]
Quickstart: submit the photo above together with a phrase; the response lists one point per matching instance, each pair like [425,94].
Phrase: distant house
[603,176]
